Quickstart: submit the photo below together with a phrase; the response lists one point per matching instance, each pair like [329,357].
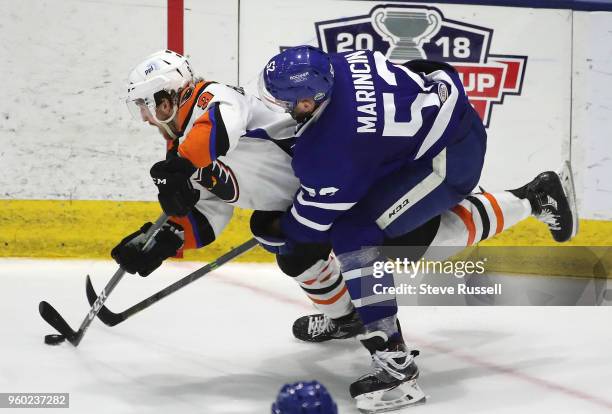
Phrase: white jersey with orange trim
[242,152]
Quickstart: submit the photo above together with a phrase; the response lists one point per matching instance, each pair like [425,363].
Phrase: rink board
[89,229]
[80,145]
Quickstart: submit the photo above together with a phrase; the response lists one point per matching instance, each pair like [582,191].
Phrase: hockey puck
[54,339]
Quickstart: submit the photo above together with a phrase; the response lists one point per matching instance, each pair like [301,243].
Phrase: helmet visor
[140,110]
[140,100]
[276,105]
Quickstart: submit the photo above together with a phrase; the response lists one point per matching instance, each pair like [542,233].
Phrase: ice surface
[224,345]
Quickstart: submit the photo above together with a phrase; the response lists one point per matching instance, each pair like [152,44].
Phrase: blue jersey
[380,117]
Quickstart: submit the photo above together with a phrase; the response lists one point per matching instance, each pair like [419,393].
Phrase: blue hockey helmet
[296,73]
[304,398]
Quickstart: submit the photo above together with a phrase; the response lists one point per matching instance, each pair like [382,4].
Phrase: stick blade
[53,318]
[108,317]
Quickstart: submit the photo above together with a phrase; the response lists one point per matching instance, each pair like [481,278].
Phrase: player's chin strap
[169,131]
[164,124]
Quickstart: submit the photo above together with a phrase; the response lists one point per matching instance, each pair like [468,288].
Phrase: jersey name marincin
[380,117]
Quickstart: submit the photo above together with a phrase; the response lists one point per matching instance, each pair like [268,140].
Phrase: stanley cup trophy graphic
[406,30]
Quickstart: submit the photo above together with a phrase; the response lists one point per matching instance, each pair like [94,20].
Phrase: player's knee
[306,255]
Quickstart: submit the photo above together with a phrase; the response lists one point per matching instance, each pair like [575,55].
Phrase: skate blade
[567,181]
[404,395]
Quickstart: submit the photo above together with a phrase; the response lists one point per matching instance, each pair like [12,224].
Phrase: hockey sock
[325,287]
[480,216]
[374,306]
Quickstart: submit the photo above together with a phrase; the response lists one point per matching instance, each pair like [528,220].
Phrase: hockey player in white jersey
[225,149]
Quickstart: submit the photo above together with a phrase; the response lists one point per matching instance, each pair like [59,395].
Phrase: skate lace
[385,361]
[551,219]
[319,325]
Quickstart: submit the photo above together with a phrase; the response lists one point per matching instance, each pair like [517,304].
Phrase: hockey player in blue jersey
[384,151]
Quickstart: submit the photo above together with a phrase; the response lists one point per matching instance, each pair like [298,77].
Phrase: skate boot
[392,383]
[553,202]
[321,328]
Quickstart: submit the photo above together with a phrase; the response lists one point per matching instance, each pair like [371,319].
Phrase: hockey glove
[265,226]
[176,194]
[129,255]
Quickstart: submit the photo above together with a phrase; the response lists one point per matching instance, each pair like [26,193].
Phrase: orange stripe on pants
[468,220]
[499,215]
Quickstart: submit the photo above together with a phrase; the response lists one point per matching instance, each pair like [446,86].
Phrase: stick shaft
[192,277]
[111,319]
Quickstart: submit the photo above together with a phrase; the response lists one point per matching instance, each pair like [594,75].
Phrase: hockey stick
[111,319]
[52,316]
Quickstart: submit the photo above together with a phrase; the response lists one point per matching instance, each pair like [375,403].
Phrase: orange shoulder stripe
[196,145]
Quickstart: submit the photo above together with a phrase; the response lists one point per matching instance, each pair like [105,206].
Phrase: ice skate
[391,385]
[321,328]
[553,201]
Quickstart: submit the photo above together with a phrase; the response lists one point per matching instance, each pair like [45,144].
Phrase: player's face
[163,112]
[155,115]
[146,115]
[303,109]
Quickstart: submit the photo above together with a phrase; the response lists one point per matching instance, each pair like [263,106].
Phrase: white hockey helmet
[162,71]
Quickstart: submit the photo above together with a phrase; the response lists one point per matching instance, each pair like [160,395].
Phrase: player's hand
[265,226]
[176,194]
[130,256]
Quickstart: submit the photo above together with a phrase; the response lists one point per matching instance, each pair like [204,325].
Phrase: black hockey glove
[129,255]
[176,194]
[265,226]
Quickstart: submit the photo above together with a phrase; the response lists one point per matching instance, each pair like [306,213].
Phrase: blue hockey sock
[367,289]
